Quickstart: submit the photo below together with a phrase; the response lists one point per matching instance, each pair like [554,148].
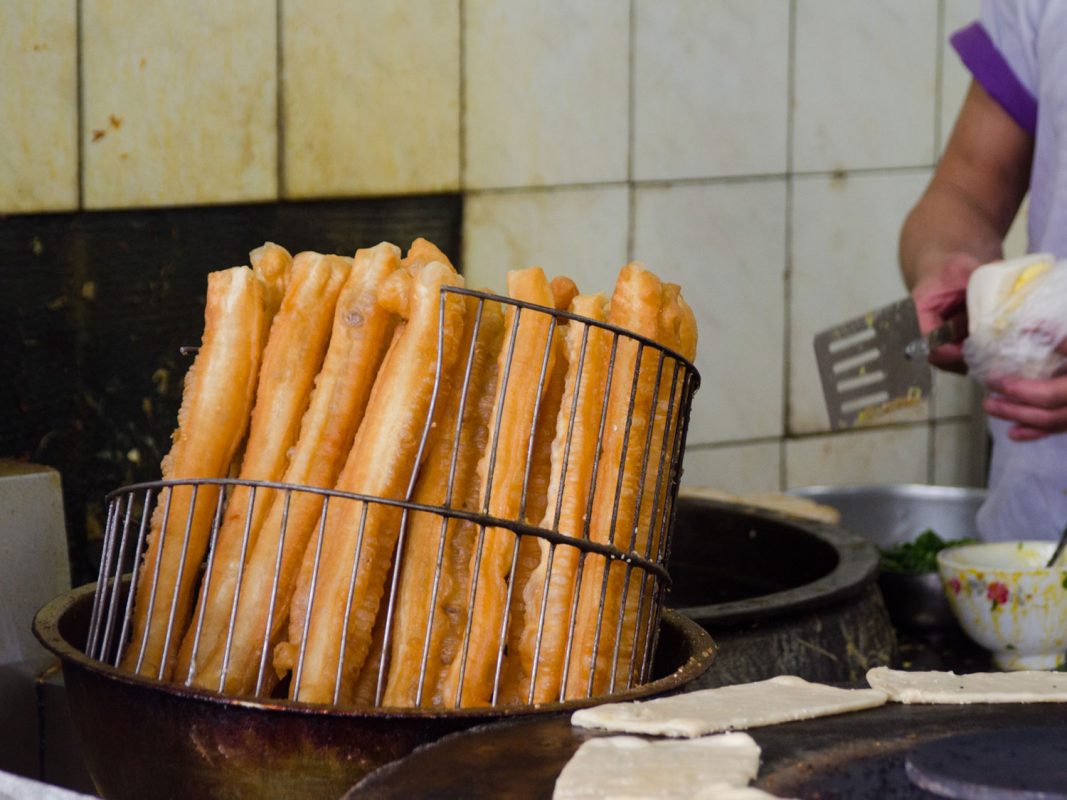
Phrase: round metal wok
[142,738]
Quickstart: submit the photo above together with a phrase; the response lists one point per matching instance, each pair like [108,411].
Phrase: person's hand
[1037,407]
[940,295]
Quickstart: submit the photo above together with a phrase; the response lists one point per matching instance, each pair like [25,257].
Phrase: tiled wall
[763,153]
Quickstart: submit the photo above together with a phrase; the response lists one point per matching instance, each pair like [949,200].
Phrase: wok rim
[700,654]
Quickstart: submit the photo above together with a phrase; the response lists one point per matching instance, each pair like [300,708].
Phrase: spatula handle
[946,332]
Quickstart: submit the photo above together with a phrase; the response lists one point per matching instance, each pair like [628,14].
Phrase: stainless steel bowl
[890,514]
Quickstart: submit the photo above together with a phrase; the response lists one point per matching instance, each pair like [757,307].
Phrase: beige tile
[955,78]
[371,97]
[547,88]
[695,66]
[724,243]
[740,469]
[888,455]
[865,76]
[39,106]
[576,232]
[179,102]
[845,232]
[960,453]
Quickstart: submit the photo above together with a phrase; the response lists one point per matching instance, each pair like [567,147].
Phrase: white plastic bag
[1016,333]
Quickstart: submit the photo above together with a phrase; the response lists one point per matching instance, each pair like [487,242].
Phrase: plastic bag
[1017,335]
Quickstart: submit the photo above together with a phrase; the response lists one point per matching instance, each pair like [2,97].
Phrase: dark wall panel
[93,309]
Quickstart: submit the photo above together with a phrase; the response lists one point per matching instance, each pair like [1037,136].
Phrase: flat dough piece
[626,766]
[747,705]
[1027,686]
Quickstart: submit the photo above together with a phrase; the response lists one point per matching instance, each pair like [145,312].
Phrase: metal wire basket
[642,567]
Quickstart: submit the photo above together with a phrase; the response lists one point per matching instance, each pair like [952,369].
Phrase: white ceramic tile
[371,97]
[888,455]
[960,453]
[954,395]
[955,78]
[547,88]
[724,243]
[865,77]
[738,470]
[845,232]
[39,106]
[1016,242]
[696,64]
[580,233]
[179,102]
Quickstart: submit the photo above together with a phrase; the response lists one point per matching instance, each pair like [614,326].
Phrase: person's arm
[960,221]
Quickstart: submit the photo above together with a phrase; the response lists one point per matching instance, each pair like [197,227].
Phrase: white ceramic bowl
[1008,602]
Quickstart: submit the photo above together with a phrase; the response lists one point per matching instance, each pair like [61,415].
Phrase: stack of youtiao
[363,376]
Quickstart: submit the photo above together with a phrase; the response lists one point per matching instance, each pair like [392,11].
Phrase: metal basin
[779,594]
[142,738]
[890,514]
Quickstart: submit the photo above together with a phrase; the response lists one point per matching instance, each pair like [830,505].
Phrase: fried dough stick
[526,361]
[574,450]
[360,334]
[360,537]
[273,265]
[216,403]
[430,540]
[298,339]
[622,488]
[420,253]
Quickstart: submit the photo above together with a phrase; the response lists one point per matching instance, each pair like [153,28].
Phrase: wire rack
[129,525]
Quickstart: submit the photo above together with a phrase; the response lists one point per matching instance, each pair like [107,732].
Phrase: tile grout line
[279,99]
[79,124]
[787,276]
[631,116]
[462,127]
[931,438]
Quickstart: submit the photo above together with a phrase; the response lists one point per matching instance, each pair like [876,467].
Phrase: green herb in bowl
[912,558]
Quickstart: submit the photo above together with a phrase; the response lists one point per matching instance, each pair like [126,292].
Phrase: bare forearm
[946,223]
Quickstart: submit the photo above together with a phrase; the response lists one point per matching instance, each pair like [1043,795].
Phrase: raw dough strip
[473,677]
[216,404]
[360,537]
[449,479]
[298,339]
[551,587]
[361,331]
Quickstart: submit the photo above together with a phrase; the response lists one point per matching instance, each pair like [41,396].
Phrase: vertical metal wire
[154,586]
[265,644]
[115,581]
[249,513]
[101,582]
[177,581]
[209,571]
[298,668]
[127,615]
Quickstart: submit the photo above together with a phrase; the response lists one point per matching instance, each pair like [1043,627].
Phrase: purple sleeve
[992,71]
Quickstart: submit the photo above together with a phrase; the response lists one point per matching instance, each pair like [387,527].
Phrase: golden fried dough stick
[564,290]
[298,339]
[526,361]
[635,305]
[429,539]
[273,265]
[365,690]
[420,253]
[216,403]
[360,334]
[588,351]
[359,538]
[678,331]
[518,663]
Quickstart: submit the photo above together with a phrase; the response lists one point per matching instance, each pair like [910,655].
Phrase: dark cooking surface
[1007,763]
[858,755]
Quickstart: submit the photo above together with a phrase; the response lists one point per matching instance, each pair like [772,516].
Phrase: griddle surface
[856,755]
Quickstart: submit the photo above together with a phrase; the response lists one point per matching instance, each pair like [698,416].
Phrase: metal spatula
[873,364]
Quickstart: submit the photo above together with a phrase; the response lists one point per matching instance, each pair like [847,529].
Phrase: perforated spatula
[876,363]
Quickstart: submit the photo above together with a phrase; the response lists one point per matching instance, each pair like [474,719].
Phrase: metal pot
[890,514]
[142,738]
